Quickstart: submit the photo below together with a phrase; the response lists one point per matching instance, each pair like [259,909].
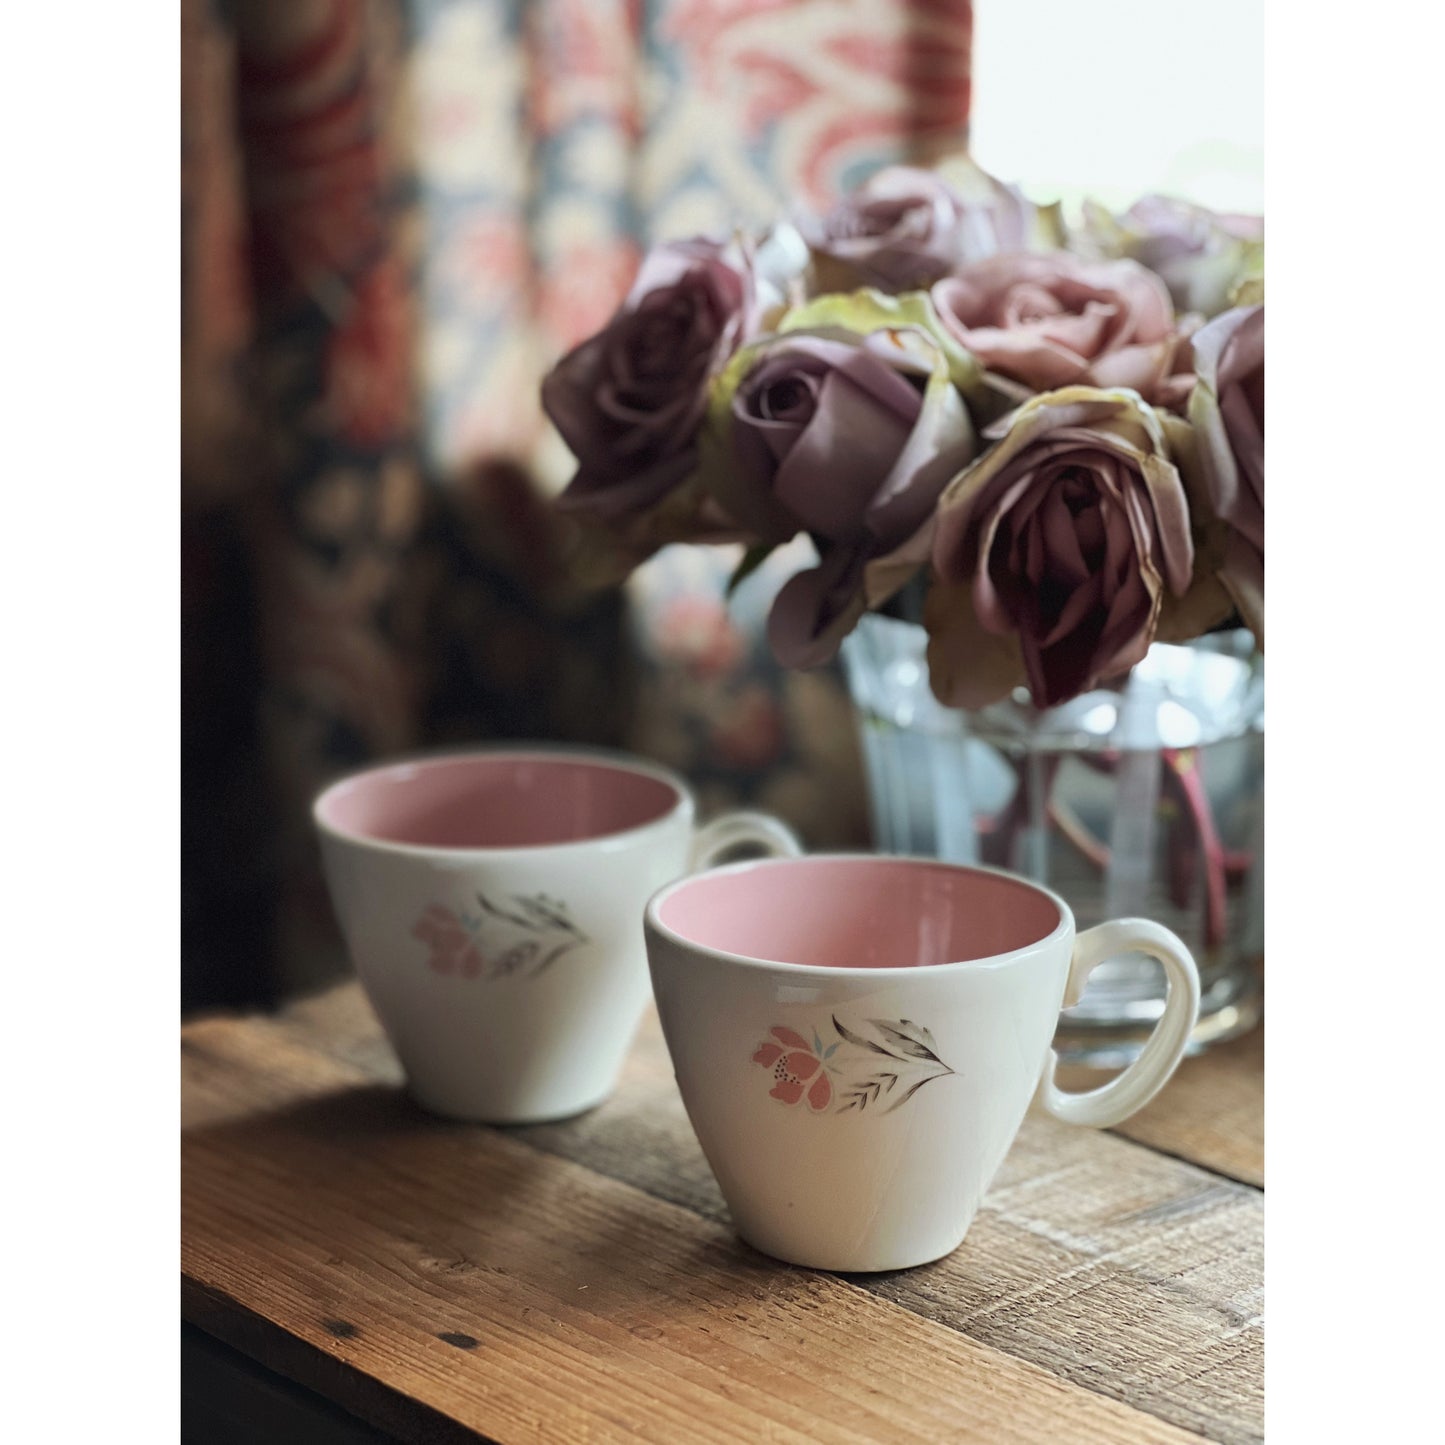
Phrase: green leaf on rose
[866,311]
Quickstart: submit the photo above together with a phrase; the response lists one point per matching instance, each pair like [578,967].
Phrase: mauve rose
[1201,255]
[1227,413]
[851,438]
[629,401]
[1047,321]
[1062,539]
[903,228]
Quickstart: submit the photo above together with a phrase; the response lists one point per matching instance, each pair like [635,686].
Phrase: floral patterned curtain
[394,217]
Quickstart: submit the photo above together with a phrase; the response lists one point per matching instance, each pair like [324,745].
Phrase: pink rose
[1055,549]
[629,401]
[1047,321]
[1227,413]
[903,228]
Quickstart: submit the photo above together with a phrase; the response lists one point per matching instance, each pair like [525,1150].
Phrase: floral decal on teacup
[524,936]
[887,1066]
[793,1061]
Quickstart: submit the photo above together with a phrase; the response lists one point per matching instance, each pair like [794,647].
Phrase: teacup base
[502,1118]
[879,1261]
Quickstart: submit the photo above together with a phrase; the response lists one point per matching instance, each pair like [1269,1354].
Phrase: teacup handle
[1113,1102]
[731,830]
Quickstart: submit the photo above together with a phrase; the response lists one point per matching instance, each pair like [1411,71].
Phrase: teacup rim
[683,805]
[652,920]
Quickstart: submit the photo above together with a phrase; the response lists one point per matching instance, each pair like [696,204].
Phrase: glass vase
[1144,799]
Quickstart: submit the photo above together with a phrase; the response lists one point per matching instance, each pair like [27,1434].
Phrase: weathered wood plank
[382,1257]
[1116,1267]
[1211,1113]
[1113,1266]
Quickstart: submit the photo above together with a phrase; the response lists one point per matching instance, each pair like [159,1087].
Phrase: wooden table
[579,1282]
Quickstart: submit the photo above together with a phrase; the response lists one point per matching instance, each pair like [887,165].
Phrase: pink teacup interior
[859,912]
[501,800]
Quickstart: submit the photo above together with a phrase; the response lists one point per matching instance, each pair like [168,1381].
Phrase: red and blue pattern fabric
[396,214]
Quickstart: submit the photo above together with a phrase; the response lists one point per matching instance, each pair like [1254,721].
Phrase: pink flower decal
[877,1072]
[521,936]
[793,1062]
[449,945]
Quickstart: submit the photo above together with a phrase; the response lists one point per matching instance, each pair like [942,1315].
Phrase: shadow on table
[358,1151]
[362,1178]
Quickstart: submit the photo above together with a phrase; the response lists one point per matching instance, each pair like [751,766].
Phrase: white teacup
[492,904]
[857,1040]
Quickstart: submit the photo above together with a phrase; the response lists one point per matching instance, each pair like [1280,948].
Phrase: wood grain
[438,1279]
[1211,1112]
[1111,1265]
[1116,1267]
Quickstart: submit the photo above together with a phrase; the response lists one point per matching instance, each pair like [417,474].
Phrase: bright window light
[1116,98]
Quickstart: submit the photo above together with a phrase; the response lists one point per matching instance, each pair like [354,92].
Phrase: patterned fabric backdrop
[395,216]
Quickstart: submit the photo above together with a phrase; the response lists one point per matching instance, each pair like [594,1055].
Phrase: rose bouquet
[1045,441]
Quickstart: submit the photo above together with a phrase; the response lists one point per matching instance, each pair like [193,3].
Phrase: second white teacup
[492,904]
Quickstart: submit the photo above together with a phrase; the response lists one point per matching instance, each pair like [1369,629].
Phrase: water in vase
[1145,800]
